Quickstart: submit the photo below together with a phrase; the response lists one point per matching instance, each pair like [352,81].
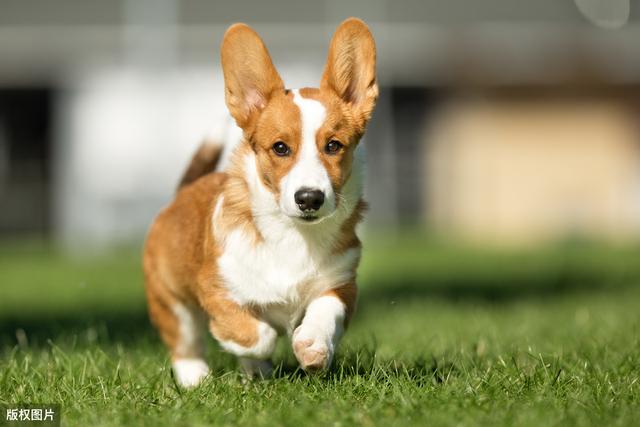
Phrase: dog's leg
[326,317]
[252,340]
[240,332]
[188,355]
[181,327]
[256,368]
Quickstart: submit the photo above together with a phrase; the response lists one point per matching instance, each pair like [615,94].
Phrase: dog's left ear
[351,68]
[249,75]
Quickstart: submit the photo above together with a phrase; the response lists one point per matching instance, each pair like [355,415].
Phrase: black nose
[308,199]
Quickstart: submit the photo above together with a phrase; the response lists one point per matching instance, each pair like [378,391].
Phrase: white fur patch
[190,372]
[263,349]
[308,172]
[217,213]
[321,328]
[190,330]
[293,263]
[231,139]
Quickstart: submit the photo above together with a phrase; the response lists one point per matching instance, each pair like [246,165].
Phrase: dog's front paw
[313,348]
[189,373]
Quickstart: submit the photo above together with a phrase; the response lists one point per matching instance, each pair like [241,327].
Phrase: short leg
[256,368]
[188,357]
[240,332]
[181,327]
[190,371]
[325,319]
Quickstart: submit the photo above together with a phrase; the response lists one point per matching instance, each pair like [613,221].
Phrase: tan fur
[180,255]
[280,121]
[348,238]
[236,206]
[348,294]
[203,162]
[350,70]
[250,77]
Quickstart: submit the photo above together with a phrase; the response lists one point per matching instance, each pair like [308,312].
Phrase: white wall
[125,136]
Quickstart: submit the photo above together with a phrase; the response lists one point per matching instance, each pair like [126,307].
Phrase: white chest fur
[288,270]
[293,263]
[282,276]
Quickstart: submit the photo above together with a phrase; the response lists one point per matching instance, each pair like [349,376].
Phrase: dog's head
[304,140]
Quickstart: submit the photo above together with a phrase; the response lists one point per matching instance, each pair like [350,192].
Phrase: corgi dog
[268,246]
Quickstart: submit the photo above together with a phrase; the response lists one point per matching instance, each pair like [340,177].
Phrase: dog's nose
[308,199]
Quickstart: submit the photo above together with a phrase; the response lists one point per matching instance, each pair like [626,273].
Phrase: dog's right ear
[351,68]
[249,75]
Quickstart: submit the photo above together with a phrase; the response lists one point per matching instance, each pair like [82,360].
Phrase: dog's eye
[332,147]
[281,149]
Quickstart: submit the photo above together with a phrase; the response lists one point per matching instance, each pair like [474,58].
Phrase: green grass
[443,336]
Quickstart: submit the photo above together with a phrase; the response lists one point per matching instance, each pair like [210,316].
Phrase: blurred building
[529,165]
[498,119]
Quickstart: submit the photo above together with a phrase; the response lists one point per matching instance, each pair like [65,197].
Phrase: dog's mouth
[309,218]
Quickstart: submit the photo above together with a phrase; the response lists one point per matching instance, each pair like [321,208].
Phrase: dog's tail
[204,161]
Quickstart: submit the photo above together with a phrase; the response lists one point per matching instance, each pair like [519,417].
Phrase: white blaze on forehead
[312,114]
[308,172]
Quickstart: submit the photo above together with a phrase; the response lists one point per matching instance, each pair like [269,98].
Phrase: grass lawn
[443,336]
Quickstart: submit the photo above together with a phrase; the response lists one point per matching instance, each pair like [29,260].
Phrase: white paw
[313,348]
[256,368]
[190,372]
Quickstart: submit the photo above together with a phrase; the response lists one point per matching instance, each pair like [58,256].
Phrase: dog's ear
[351,68]
[249,75]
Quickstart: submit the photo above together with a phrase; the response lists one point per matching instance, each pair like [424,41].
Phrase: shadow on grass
[76,328]
[487,289]
[130,325]
[363,363]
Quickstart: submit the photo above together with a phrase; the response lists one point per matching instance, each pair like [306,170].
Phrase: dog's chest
[282,274]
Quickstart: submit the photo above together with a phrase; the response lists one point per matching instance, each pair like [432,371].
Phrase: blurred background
[504,184]
[499,121]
